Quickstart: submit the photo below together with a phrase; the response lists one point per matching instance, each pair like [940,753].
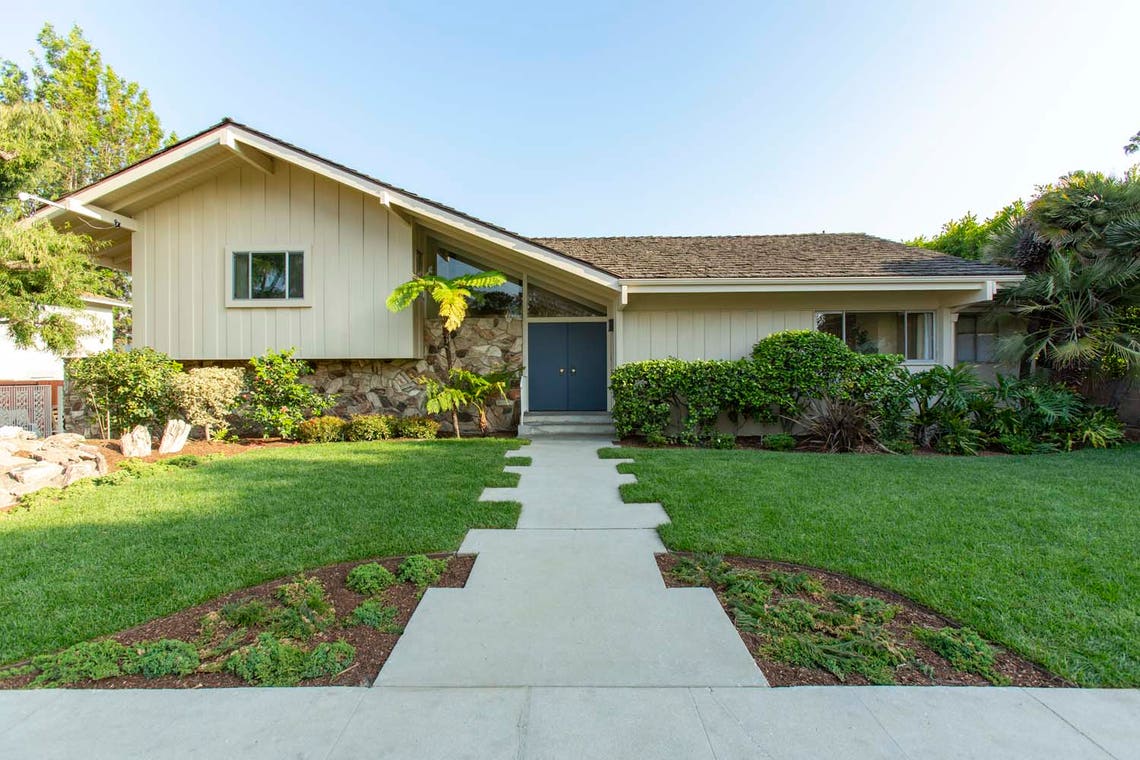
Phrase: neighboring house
[31,379]
[239,243]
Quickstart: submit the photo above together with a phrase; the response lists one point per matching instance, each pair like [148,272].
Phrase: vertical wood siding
[703,333]
[356,252]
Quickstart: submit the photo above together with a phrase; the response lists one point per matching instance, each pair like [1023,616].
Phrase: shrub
[278,400]
[422,428]
[368,427]
[329,659]
[375,614]
[421,570]
[965,650]
[89,660]
[244,614]
[307,609]
[778,442]
[321,430]
[840,425]
[1098,427]
[166,657]
[721,441]
[126,388]
[371,578]
[269,662]
[206,395]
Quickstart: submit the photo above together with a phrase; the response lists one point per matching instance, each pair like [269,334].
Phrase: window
[502,301]
[974,338]
[910,333]
[268,275]
[540,302]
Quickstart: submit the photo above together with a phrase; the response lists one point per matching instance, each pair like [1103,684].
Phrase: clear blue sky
[652,117]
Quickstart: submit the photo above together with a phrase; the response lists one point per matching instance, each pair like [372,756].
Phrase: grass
[1036,553]
[117,556]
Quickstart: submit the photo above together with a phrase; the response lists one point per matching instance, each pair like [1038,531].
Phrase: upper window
[541,302]
[974,338]
[910,333]
[268,275]
[501,301]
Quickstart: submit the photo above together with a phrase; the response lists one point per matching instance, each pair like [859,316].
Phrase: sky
[651,118]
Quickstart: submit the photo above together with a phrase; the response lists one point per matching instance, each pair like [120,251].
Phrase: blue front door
[567,369]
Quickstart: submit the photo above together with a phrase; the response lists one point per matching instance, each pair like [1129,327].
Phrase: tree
[110,121]
[34,143]
[467,389]
[1133,145]
[126,388]
[43,275]
[966,237]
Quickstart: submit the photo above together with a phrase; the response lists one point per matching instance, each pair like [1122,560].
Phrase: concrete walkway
[565,643]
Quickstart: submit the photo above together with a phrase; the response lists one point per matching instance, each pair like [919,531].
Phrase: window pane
[540,302]
[830,323]
[986,349]
[500,301]
[241,275]
[874,332]
[920,335]
[967,324]
[296,274]
[964,350]
[268,275]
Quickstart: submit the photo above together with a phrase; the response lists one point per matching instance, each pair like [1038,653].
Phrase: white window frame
[270,303]
[932,340]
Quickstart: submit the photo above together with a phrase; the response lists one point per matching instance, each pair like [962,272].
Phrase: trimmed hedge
[785,370]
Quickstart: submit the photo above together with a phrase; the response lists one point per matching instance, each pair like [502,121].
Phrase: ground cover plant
[808,627]
[1036,554]
[308,629]
[101,559]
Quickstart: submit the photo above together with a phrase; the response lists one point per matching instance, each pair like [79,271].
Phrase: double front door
[567,369]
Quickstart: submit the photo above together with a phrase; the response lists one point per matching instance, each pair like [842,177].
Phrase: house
[31,379]
[240,243]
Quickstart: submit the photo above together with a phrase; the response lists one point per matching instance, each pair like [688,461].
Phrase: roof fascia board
[812,284]
[393,198]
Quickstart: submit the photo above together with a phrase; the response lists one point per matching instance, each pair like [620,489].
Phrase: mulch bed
[372,646]
[1020,671]
[195,447]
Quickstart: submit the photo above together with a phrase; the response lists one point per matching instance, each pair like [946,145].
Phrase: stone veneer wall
[388,386]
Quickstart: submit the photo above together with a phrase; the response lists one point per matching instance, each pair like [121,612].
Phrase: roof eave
[812,284]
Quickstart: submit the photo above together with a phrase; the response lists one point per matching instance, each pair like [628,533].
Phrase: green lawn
[1041,554]
[119,555]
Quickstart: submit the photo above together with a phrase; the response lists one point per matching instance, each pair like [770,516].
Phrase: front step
[549,424]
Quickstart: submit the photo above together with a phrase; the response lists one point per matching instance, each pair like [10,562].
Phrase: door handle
[562,370]
[573,370]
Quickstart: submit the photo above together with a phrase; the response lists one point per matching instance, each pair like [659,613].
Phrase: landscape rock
[15,431]
[174,437]
[59,456]
[7,500]
[37,474]
[10,462]
[68,440]
[78,471]
[136,443]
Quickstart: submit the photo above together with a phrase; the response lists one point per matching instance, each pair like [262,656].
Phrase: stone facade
[388,386]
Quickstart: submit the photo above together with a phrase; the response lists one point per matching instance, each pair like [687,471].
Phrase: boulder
[15,431]
[10,462]
[7,500]
[37,474]
[78,471]
[57,455]
[64,440]
[174,437]
[136,443]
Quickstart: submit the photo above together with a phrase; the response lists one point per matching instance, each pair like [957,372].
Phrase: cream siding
[727,326]
[356,251]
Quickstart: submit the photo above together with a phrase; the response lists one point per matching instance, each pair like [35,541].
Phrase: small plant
[965,650]
[307,610]
[269,662]
[795,583]
[724,441]
[778,442]
[836,425]
[328,659]
[166,657]
[375,614]
[421,570]
[183,461]
[321,430]
[89,660]
[898,445]
[223,434]
[206,395]
[246,613]
[866,607]
[370,579]
[420,428]
[368,427]
[278,400]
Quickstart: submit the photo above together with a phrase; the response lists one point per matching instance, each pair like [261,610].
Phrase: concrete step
[553,424]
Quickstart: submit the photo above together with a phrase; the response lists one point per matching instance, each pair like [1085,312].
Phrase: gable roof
[767,256]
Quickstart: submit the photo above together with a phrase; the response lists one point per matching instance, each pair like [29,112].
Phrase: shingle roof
[762,256]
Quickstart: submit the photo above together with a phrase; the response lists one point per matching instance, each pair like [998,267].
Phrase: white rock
[9,462]
[7,499]
[67,440]
[136,443]
[174,437]
[78,471]
[57,455]
[14,431]
[37,474]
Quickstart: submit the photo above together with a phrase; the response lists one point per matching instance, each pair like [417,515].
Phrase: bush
[321,430]
[207,395]
[269,662]
[422,428]
[329,659]
[837,425]
[965,650]
[126,388]
[245,614]
[421,570]
[368,427]
[778,442]
[370,579]
[375,614]
[723,441]
[89,660]
[166,657]
[307,609]
[278,400]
